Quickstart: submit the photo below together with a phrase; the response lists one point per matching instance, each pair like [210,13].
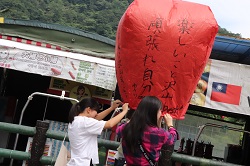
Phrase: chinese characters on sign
[58,66]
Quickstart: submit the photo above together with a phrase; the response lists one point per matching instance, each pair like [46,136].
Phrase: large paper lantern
[162,47]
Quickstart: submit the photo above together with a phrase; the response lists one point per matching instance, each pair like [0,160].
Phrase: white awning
[55,63]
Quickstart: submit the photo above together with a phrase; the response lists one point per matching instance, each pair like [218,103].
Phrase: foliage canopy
[98,16]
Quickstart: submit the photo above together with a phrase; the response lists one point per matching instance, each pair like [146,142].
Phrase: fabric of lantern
[162,47]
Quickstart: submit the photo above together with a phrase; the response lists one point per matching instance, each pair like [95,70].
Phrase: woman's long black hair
[145,115]
[78,108]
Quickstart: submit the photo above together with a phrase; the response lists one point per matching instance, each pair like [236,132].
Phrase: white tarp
[55,63]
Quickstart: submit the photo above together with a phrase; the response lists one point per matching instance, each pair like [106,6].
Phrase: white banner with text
[224,86]
[55,63]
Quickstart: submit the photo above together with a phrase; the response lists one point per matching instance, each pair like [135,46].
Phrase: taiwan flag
[226,93]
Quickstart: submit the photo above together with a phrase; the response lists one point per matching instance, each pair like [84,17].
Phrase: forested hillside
[98,16]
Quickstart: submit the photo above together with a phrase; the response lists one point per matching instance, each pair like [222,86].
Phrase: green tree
[98,16]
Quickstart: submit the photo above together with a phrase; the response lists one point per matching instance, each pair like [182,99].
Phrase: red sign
[161,50]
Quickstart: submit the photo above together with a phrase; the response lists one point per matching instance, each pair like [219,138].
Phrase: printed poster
[78,90]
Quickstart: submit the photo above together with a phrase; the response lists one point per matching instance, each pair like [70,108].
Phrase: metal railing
[62,97]
[201,128]
[103,146]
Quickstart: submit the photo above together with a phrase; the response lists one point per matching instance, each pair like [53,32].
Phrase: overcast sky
[234,15]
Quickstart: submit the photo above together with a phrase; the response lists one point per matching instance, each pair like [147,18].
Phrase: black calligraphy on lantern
[154,29]
[168,88]
[152,42]
[148,57]
[172,110]
[156,25]
[147,74]
[134,89]
[147,77]
[185,26]
[121,76]
[175,54]
[175,64]
[173,74]
[119,65]
[147,82]
[119,62]
[170,85]
[180,43]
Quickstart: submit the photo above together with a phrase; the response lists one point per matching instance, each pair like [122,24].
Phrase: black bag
[120,162]
[165,157]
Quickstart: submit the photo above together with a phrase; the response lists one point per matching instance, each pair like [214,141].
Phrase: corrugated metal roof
[231,49]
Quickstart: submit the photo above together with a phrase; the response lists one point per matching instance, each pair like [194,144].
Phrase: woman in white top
[85,125]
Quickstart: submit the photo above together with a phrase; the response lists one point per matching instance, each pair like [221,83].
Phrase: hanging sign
[227,90]
[70,66]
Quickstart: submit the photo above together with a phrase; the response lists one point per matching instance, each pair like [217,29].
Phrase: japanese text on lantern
[179,55]
[154,30]
[119,65]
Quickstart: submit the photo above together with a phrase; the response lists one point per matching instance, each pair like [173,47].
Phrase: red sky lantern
[161,50]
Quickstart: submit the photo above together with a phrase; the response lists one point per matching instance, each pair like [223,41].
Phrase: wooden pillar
[38,143]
